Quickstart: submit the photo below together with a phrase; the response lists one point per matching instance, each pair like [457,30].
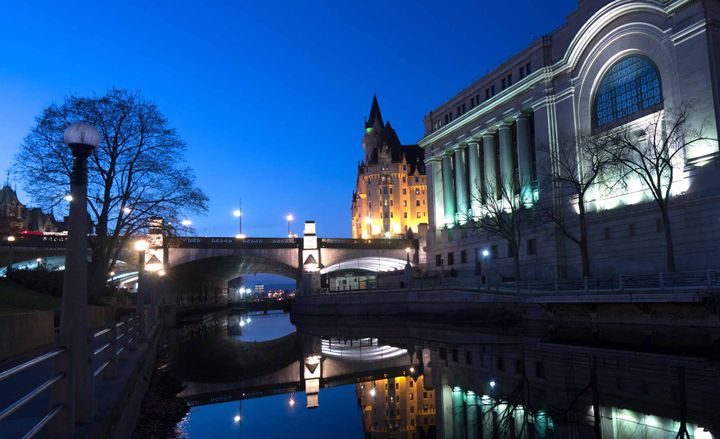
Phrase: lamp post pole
[82,139]
[289,219]
[141,246]
[10,241]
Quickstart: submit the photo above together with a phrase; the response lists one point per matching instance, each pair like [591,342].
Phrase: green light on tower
[368,130]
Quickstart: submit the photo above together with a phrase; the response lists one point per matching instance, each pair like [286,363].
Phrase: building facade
[16,218]
[390,197]
[613,65]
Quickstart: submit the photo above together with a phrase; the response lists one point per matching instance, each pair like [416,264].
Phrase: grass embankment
[15,298]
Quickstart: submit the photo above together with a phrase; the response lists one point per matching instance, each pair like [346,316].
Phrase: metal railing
[106,349]
[679,282]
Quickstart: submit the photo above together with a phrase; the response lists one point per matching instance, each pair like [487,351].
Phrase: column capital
[504,126]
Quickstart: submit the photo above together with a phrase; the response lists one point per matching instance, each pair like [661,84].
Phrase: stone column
[489,159]
[435,184]
[475,178]
[524,157]
[507,167]
[448,190]
[461,189]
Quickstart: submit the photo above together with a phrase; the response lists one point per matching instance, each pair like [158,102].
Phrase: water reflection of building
[397,407]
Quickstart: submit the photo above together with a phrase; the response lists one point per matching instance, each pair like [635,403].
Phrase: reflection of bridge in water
[623,382]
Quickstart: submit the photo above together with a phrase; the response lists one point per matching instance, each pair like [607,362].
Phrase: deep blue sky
[269,96]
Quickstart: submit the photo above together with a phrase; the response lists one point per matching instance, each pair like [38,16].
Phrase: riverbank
[693,309]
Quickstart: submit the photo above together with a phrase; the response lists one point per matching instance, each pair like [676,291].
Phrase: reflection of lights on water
[291,402]
[248,320]
[237,418]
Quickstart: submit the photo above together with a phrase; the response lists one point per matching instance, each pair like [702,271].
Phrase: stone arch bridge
[225,258]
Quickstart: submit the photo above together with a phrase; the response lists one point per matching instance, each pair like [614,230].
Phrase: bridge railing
[107,346]
[662,283]
[393,244]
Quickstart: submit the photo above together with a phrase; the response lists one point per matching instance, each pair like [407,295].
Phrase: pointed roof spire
[374,113]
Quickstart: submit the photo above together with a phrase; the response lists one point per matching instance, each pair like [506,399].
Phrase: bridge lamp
[289,219]
[240,236]
[10,239]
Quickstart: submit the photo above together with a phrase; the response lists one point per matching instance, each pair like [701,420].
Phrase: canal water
[270,375]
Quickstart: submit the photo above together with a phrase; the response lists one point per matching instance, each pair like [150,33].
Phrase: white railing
[106,349]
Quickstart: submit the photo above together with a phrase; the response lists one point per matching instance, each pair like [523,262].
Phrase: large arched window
[630,89]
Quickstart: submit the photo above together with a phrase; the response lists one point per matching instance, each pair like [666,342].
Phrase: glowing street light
[289,219]
[373,392]
[485,253]
[186,222]
[237,419]
[68,198]
[240,236]
[237,213]
[126,210]
[492,384]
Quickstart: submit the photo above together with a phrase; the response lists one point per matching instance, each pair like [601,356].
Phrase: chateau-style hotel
[613,65]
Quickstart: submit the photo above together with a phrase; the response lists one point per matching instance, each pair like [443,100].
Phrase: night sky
[269,96]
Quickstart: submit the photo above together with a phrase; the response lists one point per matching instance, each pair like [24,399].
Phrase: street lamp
[237,213]
[186,222]
[10,241]
[82,138]
[68,198]
[141,246]
[289,219]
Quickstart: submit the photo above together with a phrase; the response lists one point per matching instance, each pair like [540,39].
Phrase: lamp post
[237,213]
[82,138]
[289,219]
[141,246]
[10,241]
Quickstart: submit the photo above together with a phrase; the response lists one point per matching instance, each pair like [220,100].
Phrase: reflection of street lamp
[289,219]
[141,246]
[82,138]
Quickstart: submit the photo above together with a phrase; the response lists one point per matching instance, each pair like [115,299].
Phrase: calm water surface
[265,375]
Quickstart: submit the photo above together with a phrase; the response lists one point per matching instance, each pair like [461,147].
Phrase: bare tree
[578,168]
[136,173]
[653,155]
[505,215]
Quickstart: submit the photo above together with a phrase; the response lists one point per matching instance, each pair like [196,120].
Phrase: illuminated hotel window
[630,89]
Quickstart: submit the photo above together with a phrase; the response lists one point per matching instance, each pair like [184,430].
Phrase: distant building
[390,196]
[259,289]
[612,65]
[16,218]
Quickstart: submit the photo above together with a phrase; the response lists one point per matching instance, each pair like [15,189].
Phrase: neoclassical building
[390,197]
[613,65]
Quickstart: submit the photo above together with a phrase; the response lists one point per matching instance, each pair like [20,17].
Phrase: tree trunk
[584,251]
[97,277]
[669,249]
